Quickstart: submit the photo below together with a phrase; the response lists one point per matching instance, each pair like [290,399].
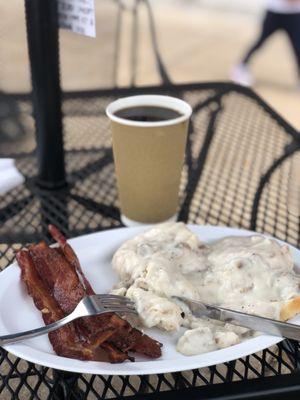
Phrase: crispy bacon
[56,282]
[65,342]
[114,354]
[70,256]
[126,338]
[58,275]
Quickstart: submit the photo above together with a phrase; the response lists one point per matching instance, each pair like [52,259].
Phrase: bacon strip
[126,338]
[58,275]
[64,340]
[64,285]
[56,282]
[70,256]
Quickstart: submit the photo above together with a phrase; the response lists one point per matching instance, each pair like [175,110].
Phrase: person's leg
[240,73]
[292,27]
[270,24]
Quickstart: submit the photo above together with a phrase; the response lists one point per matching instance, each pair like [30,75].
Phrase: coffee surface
[147,114]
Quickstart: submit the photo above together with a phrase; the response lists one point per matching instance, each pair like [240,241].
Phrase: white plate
[17,312]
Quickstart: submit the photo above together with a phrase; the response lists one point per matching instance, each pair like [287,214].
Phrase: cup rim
[174,103]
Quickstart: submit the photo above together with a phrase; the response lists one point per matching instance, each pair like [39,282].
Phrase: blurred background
[198,40]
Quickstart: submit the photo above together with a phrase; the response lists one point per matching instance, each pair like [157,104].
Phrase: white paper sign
[77,16]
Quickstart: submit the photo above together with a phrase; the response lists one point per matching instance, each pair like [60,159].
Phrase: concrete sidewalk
[199,40]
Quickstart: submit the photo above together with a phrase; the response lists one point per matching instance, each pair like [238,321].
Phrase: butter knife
[261,324]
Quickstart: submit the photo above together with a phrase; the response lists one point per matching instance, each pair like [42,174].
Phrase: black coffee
[148,113]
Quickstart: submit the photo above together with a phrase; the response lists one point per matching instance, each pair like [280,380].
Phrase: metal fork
[90,305]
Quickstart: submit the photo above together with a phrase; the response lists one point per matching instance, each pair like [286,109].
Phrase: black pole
[42,36]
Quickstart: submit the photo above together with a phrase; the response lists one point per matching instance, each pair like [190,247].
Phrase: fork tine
[122,310]
[108,296]
[114,303]
[124,301]
[131,305]
[119,307]
[114,299]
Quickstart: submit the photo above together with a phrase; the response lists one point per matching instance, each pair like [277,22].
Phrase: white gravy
[253,274]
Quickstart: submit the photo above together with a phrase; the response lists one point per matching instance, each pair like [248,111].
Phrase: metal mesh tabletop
[240,169]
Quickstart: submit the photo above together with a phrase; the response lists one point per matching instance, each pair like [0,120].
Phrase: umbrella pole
[43,47]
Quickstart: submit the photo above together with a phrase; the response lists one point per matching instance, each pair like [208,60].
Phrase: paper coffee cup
[148,159]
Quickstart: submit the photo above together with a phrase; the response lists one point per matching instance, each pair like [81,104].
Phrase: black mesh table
[241,161]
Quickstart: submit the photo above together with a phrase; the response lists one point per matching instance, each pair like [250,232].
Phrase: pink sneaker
[240,74]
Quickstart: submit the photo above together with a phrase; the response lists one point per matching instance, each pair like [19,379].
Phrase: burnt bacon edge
[44,271]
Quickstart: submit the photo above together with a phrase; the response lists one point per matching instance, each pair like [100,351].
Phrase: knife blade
[261,324]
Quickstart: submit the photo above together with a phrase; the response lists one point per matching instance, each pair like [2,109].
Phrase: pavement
[199,41]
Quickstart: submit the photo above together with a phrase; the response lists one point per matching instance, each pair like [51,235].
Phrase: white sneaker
[240,74]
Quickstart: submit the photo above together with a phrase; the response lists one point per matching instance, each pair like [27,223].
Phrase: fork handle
[18,337]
